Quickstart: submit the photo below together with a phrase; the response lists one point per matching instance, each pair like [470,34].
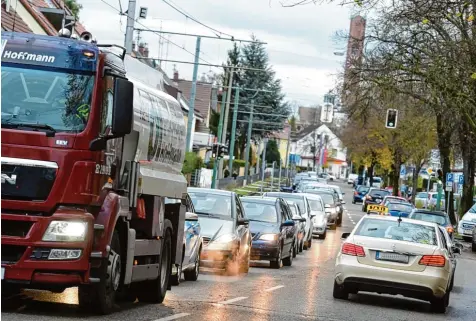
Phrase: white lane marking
[173,317]
[233,300]
[274,288]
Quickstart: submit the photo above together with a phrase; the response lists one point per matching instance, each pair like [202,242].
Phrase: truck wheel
[100,297]
[154,291]
[192,275]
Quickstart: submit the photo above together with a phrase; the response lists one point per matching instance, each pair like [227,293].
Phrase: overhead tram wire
[155,32]
[218,33]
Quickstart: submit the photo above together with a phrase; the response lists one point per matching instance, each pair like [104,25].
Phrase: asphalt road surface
[300,292]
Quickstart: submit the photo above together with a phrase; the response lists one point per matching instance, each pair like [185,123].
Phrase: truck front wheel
[154,291]
[100,297]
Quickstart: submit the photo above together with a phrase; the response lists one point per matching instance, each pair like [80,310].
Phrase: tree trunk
[370,173]
[444,145]
[469,159]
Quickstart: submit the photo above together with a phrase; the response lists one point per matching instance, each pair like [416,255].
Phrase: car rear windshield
[315,205]
[379,192]
[260,212]
[211,204]
[363,189]
[401,207]
[433,218]
[326,197]
[298,200]
[392,230]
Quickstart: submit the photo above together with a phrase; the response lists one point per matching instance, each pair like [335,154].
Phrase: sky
[301,41]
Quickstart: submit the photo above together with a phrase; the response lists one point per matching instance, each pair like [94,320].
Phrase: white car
[467,224]
[387,254]
[352,178]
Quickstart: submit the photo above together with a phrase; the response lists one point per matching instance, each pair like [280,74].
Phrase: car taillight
[352,249]
[433,260]
[450,229]
[356,193]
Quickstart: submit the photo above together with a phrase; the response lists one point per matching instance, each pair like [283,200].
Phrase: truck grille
[12,253]
[16,228]
[27,179]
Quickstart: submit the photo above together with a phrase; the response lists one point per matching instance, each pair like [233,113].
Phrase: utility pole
[263,162]
[231,150]
[131,15]
[248,142]
[191,109]
[287,151]
[226,113]
[220,128]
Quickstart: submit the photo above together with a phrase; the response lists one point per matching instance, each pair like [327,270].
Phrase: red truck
[90,151]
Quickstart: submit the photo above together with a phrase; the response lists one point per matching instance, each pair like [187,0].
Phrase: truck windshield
[58,100]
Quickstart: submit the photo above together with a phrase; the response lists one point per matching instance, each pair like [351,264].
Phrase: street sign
[449,178]
[327,113]
[403,171]
[429,171]
[461,179]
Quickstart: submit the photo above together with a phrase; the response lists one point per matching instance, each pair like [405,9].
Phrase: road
[300,292]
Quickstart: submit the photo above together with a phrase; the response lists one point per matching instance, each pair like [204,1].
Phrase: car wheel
[309,242]
[339,292]
[288,261]
[323,236]
[192,275]
[452,283]
[301,246]
[353,201]
[439,305]
[295,251]
[175,279]
[276,264]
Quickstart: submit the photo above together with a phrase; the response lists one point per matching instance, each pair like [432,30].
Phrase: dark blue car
[359,193]
[273,230]
[399,209]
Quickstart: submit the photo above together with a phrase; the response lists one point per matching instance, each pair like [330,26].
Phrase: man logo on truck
[12,180]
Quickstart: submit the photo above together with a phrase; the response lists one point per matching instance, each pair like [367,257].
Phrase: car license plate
[393,257]
[3,273]
[470,232]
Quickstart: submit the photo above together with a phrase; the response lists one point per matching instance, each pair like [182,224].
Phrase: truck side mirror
[122,115]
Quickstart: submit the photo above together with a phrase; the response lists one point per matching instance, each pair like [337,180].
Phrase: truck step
[96,255]
[94,280]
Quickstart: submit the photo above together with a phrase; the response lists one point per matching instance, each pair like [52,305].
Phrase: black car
[225,229]
[273,230]
[373,196]
[438,217]
[359,193]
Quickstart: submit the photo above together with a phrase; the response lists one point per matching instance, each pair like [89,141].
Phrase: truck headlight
[65,231]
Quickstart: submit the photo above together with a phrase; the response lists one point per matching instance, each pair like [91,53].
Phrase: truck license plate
[3,273]
[393,257]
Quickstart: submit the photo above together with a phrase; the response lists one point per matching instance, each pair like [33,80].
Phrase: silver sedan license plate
[393,257]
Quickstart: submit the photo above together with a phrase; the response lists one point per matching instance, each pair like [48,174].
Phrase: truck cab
[89,153]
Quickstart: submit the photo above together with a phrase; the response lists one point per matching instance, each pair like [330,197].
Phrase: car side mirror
[345,236]
[288,223]
[456,250]
[122,114]
[312,216]
[342,202]
[189,216]
[243,221]
[302,219]
[296,217]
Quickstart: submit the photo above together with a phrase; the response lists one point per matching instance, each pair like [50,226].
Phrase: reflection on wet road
[300,292]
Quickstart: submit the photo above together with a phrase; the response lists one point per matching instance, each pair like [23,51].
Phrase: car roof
[396,218]
[378,189]
[430,212]
[311,196]
[260,199]
[209,191]
[284,195]
[401,203]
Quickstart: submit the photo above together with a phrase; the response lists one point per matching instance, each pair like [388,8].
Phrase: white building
[325,147]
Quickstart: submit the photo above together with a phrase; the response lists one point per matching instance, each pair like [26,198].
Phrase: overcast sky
[300,40]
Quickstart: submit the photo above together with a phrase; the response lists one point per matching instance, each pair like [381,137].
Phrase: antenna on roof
[15,15]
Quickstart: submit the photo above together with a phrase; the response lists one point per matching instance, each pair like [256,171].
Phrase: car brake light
[356,193]
[433,260]
[450,229]
[352,249]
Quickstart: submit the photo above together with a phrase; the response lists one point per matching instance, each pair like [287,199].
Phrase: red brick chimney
[141,48]
[176,75]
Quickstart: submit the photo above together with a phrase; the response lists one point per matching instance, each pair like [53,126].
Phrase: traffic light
[219,150]
[392,117]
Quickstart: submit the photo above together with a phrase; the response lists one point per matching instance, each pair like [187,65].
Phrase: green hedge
[191,163]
